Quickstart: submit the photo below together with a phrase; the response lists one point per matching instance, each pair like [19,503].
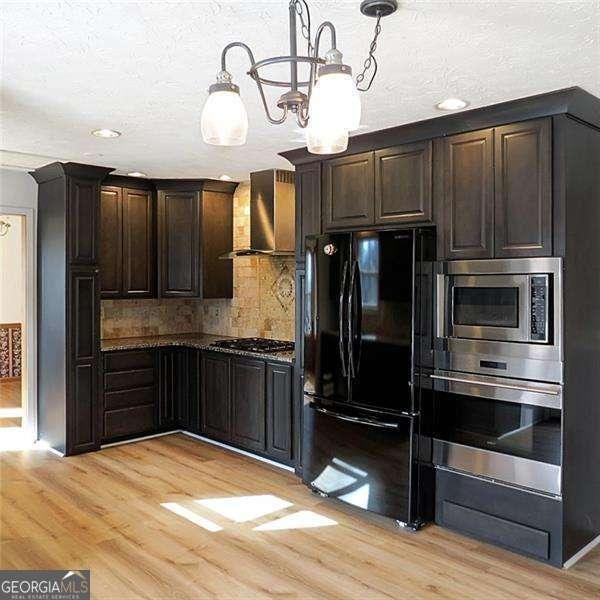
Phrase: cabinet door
[248,403]
[182,374]
[403,184]
[139,262]
[348,192]
[111,243]
[217,239]
[82,398]
[308,204]
[279,411]
[83,213]
[215,399]
[167,389]
[468,189]
[195,390]
[299,368]
[523,194]
[179,244]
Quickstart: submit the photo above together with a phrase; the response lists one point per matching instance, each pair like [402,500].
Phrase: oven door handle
[504,386]
[357,420]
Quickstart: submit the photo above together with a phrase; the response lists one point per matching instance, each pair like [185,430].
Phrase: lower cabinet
[215,399]
[279,411]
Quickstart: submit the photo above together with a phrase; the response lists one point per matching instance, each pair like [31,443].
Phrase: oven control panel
[539,308]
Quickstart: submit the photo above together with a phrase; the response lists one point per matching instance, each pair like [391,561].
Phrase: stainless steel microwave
[494,314]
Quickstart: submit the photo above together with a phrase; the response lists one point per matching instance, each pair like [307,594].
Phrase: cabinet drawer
[129,398]
[515,519]
[120,380]
[129,421]
[496,530]
[128,360]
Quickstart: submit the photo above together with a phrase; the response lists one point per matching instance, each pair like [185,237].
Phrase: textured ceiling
[143,68]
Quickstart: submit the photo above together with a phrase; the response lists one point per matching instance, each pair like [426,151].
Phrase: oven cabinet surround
[247,402]
[517,179]
[68,305]
[195,226]
[127,239]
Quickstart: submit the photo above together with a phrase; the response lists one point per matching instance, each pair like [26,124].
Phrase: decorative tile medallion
[283,288]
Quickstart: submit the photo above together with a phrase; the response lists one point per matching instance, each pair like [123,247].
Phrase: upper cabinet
[82,194]
[403,184]
[308,204]
[523,195]
[495,193]
[127,249]
[348,192]
[195,227]
[179,243]
[386,187]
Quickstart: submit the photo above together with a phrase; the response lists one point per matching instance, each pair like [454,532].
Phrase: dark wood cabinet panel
[217,239]
[215,399]
[132,421]
[248,403]
[82,404]
[139,262]
[195,390]
[298,368]
[111,242]
[348,191]
[167,389]
[179,229]
[279,411]
[523,194]
[83,211]
[308,204]
[468,195]
[403,176]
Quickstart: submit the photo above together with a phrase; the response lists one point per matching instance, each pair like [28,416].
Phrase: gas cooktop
[261,345]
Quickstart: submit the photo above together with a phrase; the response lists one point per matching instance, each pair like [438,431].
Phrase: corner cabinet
[495,192]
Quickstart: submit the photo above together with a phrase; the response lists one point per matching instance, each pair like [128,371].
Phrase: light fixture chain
[371,61]
[301,9]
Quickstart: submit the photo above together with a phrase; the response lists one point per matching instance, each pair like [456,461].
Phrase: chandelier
[326,103]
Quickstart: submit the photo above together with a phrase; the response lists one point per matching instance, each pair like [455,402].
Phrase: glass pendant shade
[323,139]
[224,119]
[335,99]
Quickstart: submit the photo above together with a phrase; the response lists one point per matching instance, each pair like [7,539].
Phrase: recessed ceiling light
[225,178]
[452,104]
[106,133]
[137,174]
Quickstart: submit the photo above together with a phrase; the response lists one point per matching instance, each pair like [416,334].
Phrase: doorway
[18,416]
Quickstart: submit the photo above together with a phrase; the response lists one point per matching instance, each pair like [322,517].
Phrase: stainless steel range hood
[272,215]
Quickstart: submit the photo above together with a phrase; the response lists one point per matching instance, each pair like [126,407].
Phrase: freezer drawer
[361,461]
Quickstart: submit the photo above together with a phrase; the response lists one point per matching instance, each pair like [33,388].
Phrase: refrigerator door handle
[358,420]
[341,347]
[354,315]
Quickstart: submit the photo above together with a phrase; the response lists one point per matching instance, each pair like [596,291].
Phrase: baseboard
[140,439]
[238,451]
[579,555]
[46,446]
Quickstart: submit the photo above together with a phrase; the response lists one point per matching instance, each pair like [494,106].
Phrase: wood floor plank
[106,511]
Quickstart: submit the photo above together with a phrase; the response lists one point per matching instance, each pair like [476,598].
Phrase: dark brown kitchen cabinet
[308,204]
[179,243]
[248,403]
[194,390]
[130,394]
[467,195]
[348,191]
[279,411]
[403,176]
[84,359]
[68,319]
[168,389]
[127,242]
[523,194]
[215,399]
[298,391]
[111,242]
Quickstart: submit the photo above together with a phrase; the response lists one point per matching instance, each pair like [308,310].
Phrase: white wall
[17,188]
[12,280]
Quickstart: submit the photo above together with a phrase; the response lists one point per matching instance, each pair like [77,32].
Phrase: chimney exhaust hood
[272,215]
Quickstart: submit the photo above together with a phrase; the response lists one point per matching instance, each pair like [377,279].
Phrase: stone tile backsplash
[262,303]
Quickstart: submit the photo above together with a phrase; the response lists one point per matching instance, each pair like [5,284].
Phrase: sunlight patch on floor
[241,509]
[303,519]
[191,516]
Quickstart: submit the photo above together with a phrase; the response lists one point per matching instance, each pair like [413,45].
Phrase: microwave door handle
[496,385]
[341,347]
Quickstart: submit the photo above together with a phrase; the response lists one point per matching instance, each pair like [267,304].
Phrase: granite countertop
[201,341]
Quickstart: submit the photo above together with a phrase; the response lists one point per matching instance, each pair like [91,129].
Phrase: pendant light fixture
[329,108]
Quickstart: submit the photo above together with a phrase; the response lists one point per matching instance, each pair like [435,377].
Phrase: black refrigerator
[367,337]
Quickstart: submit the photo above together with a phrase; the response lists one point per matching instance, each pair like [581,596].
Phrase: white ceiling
[143,68]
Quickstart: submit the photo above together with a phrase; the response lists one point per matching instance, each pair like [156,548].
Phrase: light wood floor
[10,397]
[103,511]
